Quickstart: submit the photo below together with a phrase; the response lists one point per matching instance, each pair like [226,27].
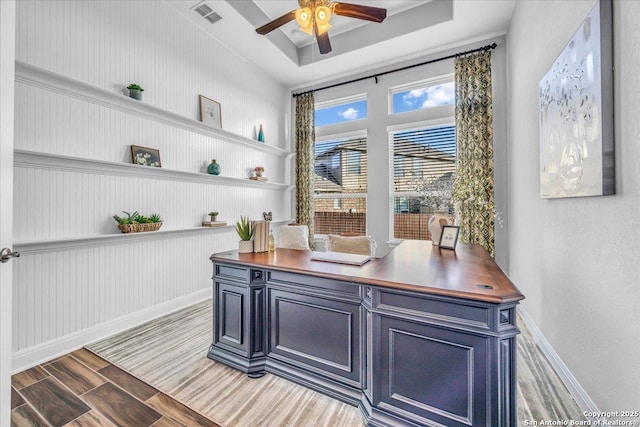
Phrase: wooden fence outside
[406,225]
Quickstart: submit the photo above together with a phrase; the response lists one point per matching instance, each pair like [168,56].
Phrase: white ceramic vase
[437,220]
[245,246]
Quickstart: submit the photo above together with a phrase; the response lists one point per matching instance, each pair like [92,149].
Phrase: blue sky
[342,113]
[426,97]
[415,99]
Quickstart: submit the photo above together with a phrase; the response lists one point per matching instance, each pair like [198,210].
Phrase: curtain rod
[375,76]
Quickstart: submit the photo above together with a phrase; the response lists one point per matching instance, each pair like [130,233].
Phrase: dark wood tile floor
[82,389]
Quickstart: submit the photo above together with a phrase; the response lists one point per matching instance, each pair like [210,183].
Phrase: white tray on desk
[340,258]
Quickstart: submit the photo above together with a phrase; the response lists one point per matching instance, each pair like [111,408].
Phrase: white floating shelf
[55,245]
[33,159]
[38,77]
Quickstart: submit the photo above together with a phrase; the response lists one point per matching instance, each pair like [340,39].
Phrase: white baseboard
[575,389]
[40,353]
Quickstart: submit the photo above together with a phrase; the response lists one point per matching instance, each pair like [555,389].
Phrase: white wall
[68,295]
[575,260]
[378,122]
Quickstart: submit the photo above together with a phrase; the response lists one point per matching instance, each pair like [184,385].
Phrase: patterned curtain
[305,160]
[474,131]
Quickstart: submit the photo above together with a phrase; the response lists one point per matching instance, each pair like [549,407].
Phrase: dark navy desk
[423,336]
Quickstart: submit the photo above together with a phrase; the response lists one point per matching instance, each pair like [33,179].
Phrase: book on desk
[340,258]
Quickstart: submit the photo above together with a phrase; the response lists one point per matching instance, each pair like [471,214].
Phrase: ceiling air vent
[206,12]
[213,17]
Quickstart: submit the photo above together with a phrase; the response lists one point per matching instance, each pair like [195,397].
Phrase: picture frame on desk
[449,237]
[210,112]
[145,156]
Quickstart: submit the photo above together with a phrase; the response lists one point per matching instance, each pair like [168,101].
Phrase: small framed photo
[145,156]
[210,112]
[449,236]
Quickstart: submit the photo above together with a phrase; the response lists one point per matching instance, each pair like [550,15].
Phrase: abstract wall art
[576,113]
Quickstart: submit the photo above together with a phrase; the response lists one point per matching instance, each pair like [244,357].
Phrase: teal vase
[261,134]
[214,168]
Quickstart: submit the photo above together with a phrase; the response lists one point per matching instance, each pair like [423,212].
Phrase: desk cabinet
[239,317]
[405,356]
[438,361]
[314,327]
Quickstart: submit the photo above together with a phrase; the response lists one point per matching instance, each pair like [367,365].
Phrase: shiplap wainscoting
[55,204]
[71,286]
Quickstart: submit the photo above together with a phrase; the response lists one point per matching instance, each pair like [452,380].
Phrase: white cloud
[439,95]
[432,96]
[349,114]
[414,95]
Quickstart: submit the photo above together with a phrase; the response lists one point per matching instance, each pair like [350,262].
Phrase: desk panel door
[319,334]
[434,373]
[231,313]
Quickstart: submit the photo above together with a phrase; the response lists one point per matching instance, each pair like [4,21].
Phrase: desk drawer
[233,272]
[302,281]
[421,306]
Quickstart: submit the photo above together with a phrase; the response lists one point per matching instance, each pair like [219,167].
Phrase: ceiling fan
[313,16]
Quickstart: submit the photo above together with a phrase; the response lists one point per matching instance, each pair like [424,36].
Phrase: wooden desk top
[414,265]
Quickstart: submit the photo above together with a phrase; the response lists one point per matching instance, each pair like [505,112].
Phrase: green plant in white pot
[244,227]
[135,91]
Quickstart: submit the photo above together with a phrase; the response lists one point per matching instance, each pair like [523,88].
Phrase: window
[340,111]
[423,153]
[417,167]
[354,159]
[340,185]
[422,96]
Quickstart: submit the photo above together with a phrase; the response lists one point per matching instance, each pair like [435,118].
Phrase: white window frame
[321,105]
[406,127]
[360,133]
[435,81]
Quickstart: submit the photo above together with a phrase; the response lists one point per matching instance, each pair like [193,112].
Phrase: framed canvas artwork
[576,113]
[210,112]
[145,156]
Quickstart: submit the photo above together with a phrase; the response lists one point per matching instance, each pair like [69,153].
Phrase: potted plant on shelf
[134,222]
[244,227]
[259,170]
[135,91]
[214,216]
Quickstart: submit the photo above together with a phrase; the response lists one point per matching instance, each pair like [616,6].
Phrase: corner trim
[32,356]
[575,389]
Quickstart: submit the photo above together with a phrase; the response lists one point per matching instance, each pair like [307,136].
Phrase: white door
[7,83]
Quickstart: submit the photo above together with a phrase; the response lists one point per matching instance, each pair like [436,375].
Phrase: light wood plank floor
[170,354]
[157,374]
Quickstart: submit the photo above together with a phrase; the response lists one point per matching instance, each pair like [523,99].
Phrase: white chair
[294,237]
[363,245]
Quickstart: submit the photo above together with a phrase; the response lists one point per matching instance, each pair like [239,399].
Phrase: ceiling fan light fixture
[323,16]
[313,17]
[304,18]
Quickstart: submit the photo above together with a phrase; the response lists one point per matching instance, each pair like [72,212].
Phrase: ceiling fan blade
[368,13]
[278,22]
[323,41]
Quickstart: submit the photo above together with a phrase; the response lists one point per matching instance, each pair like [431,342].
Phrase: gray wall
[576,260]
